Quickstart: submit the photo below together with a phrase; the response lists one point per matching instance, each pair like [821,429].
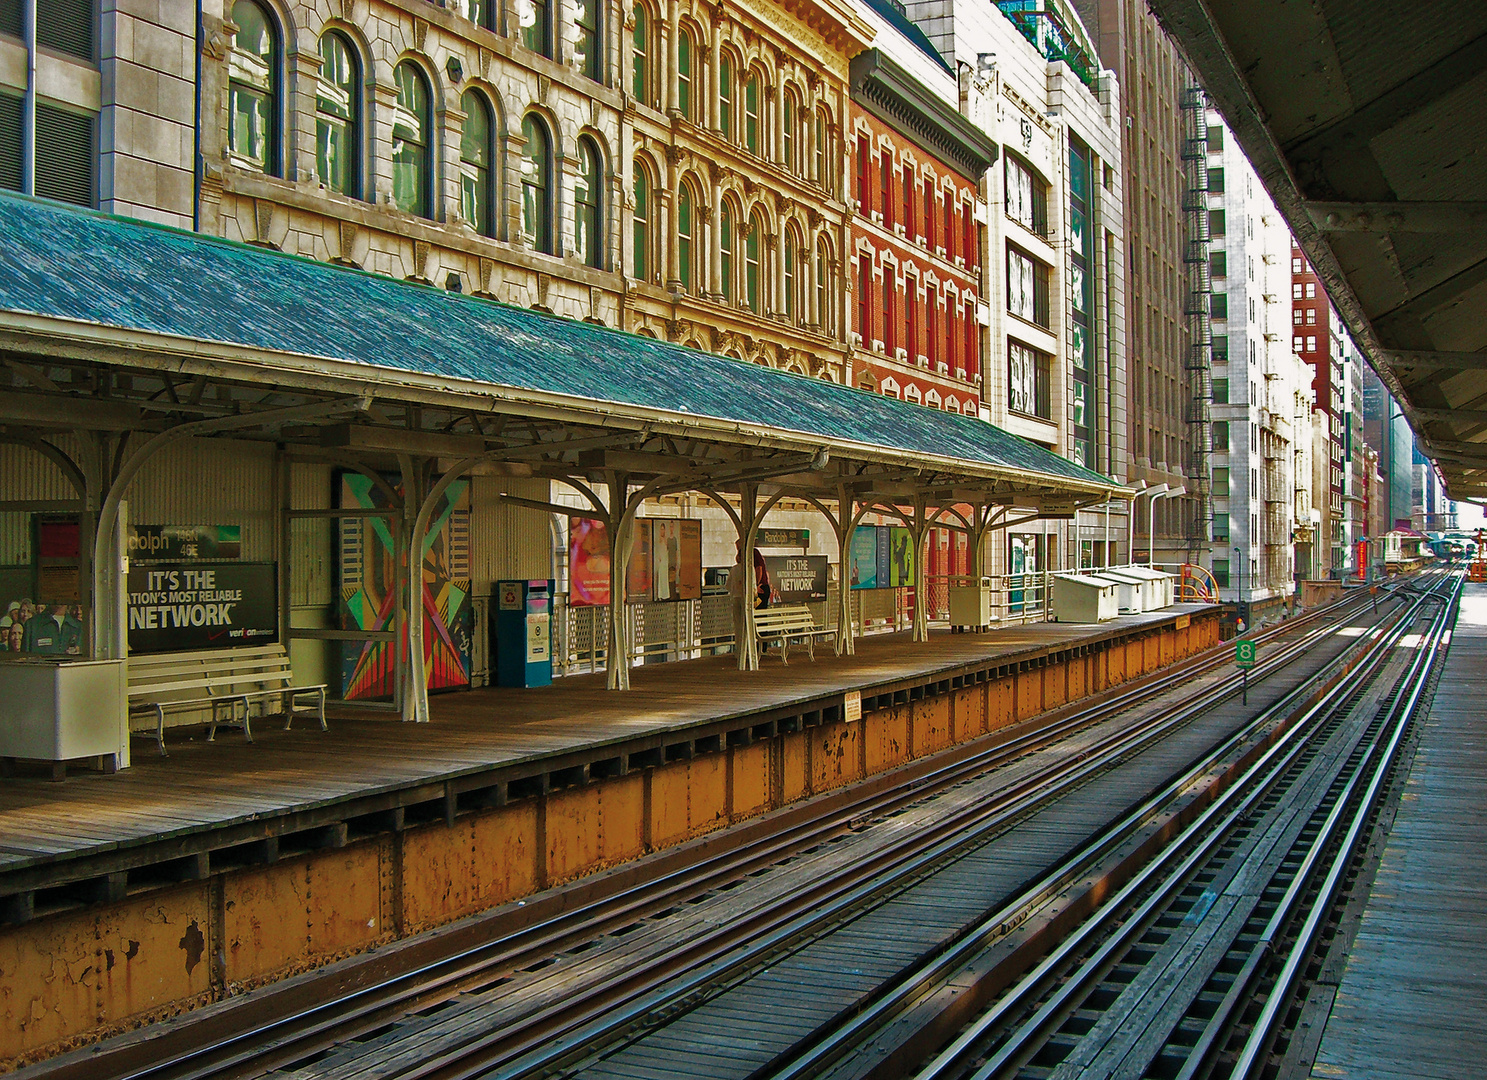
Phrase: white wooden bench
[218,687]
[790,623]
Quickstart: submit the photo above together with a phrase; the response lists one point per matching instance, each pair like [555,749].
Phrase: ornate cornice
[894,96]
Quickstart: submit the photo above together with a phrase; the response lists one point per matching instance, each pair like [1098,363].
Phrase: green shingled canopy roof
[115,272]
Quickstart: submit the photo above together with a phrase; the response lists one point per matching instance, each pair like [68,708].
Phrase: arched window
[642,220]
[725,97]
[587,50]
[536,185]
[253,89]
[725,245]
[479,12]
[790,306]
[640,56]
[684,227]
[338,117]
[751,263]
[684,73]
[788,125]
[751,113]
[477,155]
[824,151]
[533,17]
[586,203]
[824,289]
[410,142]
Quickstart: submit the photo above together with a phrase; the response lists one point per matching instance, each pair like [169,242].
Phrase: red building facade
[916,240]
[1313,340]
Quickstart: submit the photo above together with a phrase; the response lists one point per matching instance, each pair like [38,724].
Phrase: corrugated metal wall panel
[508,542]
[211,482]
[312,579]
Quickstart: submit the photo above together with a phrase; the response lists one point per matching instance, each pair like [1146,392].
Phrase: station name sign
[181,542]
[175,607]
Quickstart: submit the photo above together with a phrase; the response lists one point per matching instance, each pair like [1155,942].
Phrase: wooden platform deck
[231,785]
[1410,1003]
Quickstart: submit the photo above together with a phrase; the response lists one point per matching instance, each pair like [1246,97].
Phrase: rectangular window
[66,26]
[1218,263]
[1215,138]
[1029,374]
[1220,566]
[1311,344]
[1311,290]
[971,361]
[1221,436]
[885,173]
[1027,197]
[1221,529]
[1295,266]
[909,202]
[949,226]
[968,247]
[1221,391]
[1297,343]
[1218,306]
[890,312]
[1216,223]
[929,216]
[865,300]
[1311,316]
[1027,287]
[864,180]
[1216,180]
[911,318]
[1220,348]
[1296,290]
[10,142]
[1221,483]
[1296,317]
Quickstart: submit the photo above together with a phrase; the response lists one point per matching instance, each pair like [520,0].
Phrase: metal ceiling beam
[1399,217]
[1466,361]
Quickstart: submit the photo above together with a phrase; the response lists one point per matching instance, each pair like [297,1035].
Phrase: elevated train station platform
[227,865]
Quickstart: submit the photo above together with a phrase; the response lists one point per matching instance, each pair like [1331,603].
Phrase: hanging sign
[168,543]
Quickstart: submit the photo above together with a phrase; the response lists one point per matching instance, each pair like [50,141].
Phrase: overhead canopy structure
[137,335]
[1367,121]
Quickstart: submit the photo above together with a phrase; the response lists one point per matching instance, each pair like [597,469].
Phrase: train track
[1193,967]
[552,1036]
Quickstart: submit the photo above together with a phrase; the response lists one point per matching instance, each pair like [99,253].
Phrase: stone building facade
[734,225]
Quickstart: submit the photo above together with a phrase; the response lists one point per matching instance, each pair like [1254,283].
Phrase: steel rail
[1401,713]
[1207,831]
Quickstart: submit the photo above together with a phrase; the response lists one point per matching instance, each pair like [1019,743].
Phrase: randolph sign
[175,607]
[168,543]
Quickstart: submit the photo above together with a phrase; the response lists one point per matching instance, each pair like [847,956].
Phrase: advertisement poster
[676,559]
[689,581]
[178,543]
[177,607]
[901,557]
[639,573]
[796,579]
[885,556]
[369,559]
[588,562]
[864,556]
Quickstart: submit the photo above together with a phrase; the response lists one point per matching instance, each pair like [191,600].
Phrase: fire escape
[1199,359]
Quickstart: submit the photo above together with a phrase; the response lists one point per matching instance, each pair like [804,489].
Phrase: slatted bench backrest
[777,620]
[192,676]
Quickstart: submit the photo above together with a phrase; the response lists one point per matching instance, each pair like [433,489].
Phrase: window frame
[642,252]
[640,54]
[538,36]
[588,214]
[753,290]
[592,64]
[481,180]
[407,74]
[537,195]
[269,95]
[352,125]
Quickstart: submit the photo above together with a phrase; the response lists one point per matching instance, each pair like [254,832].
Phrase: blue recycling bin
[523,633]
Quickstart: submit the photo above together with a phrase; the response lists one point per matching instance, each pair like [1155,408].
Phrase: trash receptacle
[523,633]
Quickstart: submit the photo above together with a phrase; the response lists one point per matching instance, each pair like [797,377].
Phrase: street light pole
[1239,587]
